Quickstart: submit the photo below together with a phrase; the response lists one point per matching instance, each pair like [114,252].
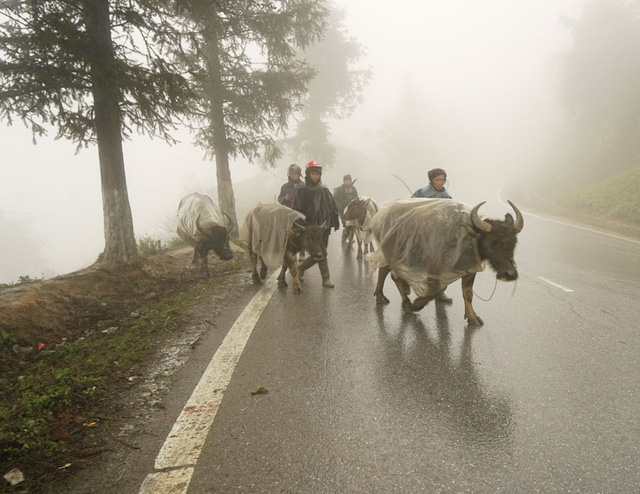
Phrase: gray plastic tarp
[198,207]
[424,243]
[266,228]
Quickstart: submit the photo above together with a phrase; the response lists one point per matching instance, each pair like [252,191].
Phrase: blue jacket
[430,192]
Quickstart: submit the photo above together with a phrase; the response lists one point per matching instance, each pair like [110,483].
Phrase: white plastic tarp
[266,229]
[198,207]
[424,243]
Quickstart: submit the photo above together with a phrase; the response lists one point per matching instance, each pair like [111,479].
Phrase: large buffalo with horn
[427,244]
[203,226]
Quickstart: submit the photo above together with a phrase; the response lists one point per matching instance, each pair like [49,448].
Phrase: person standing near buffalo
[294,182]
[436,188]
[315,201]
[343,196]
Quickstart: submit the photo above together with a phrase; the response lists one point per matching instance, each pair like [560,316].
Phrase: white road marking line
[555,284]
[181,450]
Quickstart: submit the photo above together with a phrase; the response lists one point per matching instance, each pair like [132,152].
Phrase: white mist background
[485,72]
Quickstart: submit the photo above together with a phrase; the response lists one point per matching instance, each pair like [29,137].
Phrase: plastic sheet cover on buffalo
[363,233]
[423,242]
[265,228]
[194,206]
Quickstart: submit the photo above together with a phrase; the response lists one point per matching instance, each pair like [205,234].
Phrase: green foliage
[617,197]
[245,67]
[22,280]
[70,377]
[148,246]
[334,92]
[600,76]
[48,63]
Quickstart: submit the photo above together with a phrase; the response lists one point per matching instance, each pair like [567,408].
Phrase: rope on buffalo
[490,296]
[494,291]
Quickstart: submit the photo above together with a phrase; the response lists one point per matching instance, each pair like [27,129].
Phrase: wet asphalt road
[545,397]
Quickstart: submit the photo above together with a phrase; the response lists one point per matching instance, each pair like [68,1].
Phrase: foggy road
[542,398]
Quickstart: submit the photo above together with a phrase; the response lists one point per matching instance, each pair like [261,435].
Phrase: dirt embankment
[75,349]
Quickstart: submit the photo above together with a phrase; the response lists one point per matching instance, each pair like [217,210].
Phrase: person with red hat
[316,202]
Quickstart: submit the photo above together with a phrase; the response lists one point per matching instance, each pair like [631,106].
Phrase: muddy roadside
[87,358]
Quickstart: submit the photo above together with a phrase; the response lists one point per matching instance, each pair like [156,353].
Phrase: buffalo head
[355,210]
[310,238]
[497,241]
[216,238]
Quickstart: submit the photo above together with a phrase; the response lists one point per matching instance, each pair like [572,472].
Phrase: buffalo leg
[291,263]
[196,257]
[204,262]
[407,306]
[282,282]
[254,268]
[467,293]
[382,275]
[359,256]
[263,269]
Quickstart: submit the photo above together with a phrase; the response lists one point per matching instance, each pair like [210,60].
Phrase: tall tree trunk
[226,197]
[120,242]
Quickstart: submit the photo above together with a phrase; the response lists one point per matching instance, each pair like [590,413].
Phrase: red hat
[314,164]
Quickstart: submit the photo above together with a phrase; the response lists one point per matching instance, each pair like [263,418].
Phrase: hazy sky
[483,68]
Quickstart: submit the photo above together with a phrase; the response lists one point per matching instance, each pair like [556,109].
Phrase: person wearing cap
[316,202]
[436,188]
[343,195]
[294,182]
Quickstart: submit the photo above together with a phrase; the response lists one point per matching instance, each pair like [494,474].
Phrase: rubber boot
[306,264]
[442,297]
[324,272]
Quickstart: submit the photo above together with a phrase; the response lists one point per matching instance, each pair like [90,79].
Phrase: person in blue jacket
[436,188]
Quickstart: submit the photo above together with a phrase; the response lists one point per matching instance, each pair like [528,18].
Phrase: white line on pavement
[179,454]
[555,284]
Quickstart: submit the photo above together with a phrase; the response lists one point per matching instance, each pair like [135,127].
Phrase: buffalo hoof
[282,283]
[474,321]
[381,299]
[256,279]
[263,272]
[407,306]
[297,289]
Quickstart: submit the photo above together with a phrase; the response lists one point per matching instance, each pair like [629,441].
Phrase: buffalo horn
[324,225]
[206,234]
[519,219]
[230,222]
[479,223]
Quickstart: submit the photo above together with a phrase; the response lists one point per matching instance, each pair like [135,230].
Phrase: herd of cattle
[425,244]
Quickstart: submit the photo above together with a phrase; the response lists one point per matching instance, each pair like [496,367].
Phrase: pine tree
[94,70]
[242,57]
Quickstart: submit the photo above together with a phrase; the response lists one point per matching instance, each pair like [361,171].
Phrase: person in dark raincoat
[294,182]
[316,202]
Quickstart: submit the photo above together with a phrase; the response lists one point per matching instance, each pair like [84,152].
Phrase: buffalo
[427,244]
[358,217]
[203,226]
[275,234]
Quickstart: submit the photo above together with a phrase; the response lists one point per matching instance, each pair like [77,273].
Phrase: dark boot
[324,272]
[306,264]
[441,297]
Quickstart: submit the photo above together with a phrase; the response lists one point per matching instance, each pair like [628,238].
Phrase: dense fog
[472,87]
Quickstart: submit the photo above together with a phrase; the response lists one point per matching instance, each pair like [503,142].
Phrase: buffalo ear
[508,219]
